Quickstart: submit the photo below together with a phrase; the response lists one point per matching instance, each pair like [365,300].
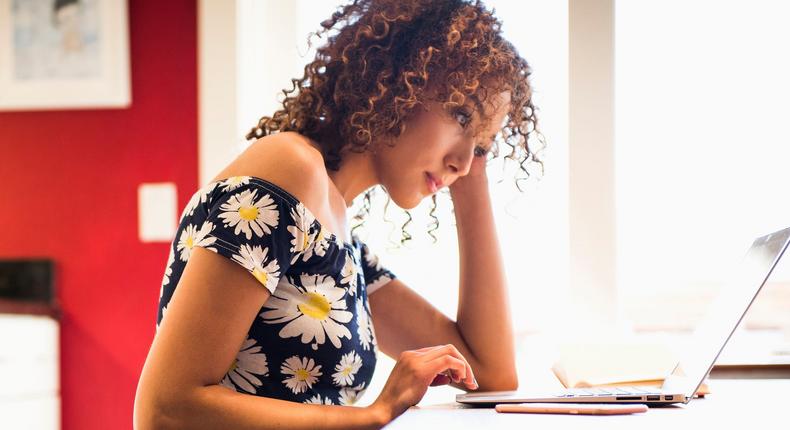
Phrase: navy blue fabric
[313,340]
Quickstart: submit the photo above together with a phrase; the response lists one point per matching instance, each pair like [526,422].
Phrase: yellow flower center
[190,242]
[346,371]
[261,276]
[316,306]
[250,213]
[302,374]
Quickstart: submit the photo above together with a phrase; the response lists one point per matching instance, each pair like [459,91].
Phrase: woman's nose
[459,163]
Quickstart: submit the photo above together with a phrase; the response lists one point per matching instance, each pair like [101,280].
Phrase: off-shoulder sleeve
[376,276]
[257,225]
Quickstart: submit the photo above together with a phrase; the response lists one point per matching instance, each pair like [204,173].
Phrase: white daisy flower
[364,328]
[315,311]
[372,259]
[349,274]
[234,182]
[316,400]
[320,244]
[200,196]
[254,259]
[346,369]
[350,395]
[304,372]
[300,230]
[248,363]
[192,237]
[248,214]
[168,271]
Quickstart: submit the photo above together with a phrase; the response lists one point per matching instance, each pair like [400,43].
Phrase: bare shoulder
[288,160]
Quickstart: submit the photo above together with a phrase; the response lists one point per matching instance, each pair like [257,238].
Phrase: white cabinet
[29,372]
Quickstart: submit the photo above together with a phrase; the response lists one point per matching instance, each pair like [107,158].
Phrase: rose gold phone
[571,408]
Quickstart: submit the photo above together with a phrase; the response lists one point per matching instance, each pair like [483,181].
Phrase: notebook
[629,361]
[682,382]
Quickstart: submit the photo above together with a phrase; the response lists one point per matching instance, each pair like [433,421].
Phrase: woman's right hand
[418,369]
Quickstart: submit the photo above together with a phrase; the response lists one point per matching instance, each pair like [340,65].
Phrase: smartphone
[571,408]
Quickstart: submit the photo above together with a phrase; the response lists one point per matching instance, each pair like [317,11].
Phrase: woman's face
[437,148]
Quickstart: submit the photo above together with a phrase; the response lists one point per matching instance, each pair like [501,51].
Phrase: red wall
[68,191]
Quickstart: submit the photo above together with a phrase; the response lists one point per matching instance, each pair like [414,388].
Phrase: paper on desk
[582,365]
[625,363]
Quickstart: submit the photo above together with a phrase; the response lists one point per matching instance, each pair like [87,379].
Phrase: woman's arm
[205,325]
[483,308]
[206,322]
[482,333]
[217,407]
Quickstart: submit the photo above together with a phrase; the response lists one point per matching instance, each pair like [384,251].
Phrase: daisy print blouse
[313,340]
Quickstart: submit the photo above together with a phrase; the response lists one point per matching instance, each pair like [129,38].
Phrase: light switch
[157,207]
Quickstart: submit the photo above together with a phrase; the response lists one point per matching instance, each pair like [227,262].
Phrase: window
[701,155]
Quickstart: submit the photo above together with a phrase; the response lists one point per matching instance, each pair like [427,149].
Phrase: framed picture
[64,54]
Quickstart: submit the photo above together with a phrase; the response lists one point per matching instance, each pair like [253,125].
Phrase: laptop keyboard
[608,391]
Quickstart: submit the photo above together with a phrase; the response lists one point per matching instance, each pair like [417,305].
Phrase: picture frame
[64,54]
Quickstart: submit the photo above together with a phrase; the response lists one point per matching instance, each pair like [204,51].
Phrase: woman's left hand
[478,166]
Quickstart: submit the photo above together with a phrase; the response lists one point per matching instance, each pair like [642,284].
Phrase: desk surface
[734,402]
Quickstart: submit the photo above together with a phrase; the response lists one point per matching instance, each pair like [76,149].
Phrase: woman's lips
[433,183]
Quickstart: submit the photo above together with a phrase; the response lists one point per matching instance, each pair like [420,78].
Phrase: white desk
[760,403]
[732,404]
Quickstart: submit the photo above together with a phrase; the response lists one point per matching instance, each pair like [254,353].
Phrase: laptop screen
[726,312]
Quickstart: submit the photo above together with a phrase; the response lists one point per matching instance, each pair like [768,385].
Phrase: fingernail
[474,381]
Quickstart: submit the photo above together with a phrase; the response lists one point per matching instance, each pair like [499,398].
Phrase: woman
[408,95]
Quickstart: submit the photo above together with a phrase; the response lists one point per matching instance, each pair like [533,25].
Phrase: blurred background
[666,156]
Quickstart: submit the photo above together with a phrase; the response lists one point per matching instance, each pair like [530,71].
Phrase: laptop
[725,313]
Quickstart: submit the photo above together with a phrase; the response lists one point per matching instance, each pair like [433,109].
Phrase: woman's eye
[480,151]
[462,118]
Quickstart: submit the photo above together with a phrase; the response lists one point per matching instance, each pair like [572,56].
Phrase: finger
[428,348]
[434,351]
[442,350]
[451,375]
[452,350]
[448,363]
[440,379]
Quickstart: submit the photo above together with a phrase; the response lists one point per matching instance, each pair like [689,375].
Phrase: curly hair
[389,56]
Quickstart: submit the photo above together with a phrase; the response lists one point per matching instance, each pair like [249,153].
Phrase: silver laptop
[723,316]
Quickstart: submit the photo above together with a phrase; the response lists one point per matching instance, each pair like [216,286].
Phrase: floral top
[313,340]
